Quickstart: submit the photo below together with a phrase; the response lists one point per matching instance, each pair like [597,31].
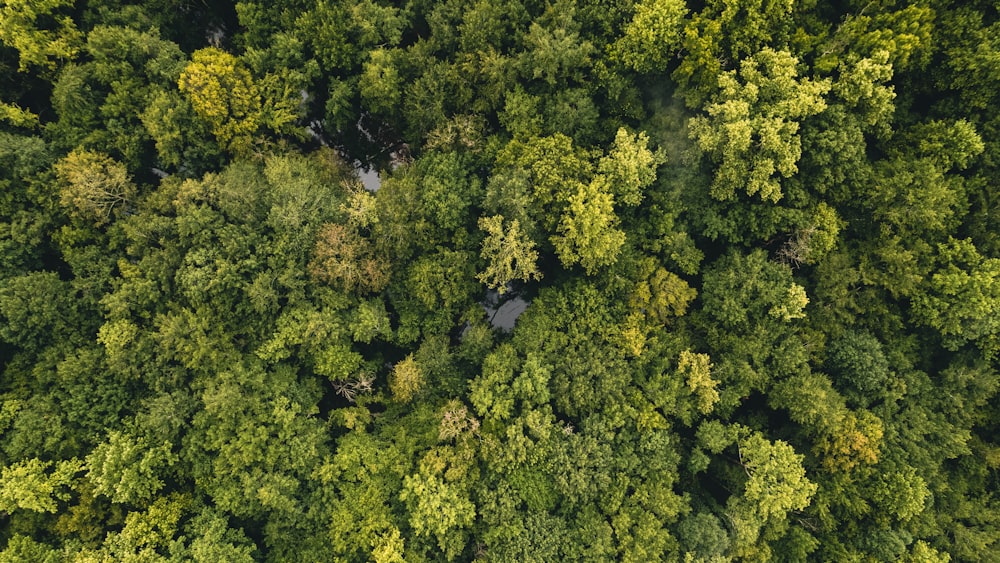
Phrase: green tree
[37,310]
[340,33]
[554,50]
[491,393]
[211,538]
[183,141]
[754,337]
[100,100]
[26,212]
[751,24]
[742,290]
[961,298]
[449,188]
[949,145]
[857,359]
[652,36]
[751,130]
[146,535]
[128,469]
[437,290]
[703,536]
[535,174]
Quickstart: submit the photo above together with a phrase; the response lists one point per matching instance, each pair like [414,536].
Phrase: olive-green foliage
[748,249]
[101,100]
[37,308]
[857,357]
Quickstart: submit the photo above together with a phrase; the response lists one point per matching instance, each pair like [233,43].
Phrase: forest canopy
[469,280]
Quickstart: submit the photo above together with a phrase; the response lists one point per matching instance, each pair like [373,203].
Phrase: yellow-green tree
[17,116]
[345,258]
[20,22]
[630,166]
[407,379]
[93,185]
[588,232]
[37,485]
[225,95]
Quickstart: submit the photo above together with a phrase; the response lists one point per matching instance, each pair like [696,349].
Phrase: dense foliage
[758,241]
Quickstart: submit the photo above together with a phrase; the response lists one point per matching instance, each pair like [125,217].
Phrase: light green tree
[17,116]
[775,484]
[905,35]
[662,295]
[551,166]
[439,509]
[406,380]
[749,25]
[752,124]
[380,83]
[863,86]
[146,534]
[696,371]
[652,36]
[509,253]
[630,166]
[128,469]
[777,481]
[588,232]
[37,485]
[23,548]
